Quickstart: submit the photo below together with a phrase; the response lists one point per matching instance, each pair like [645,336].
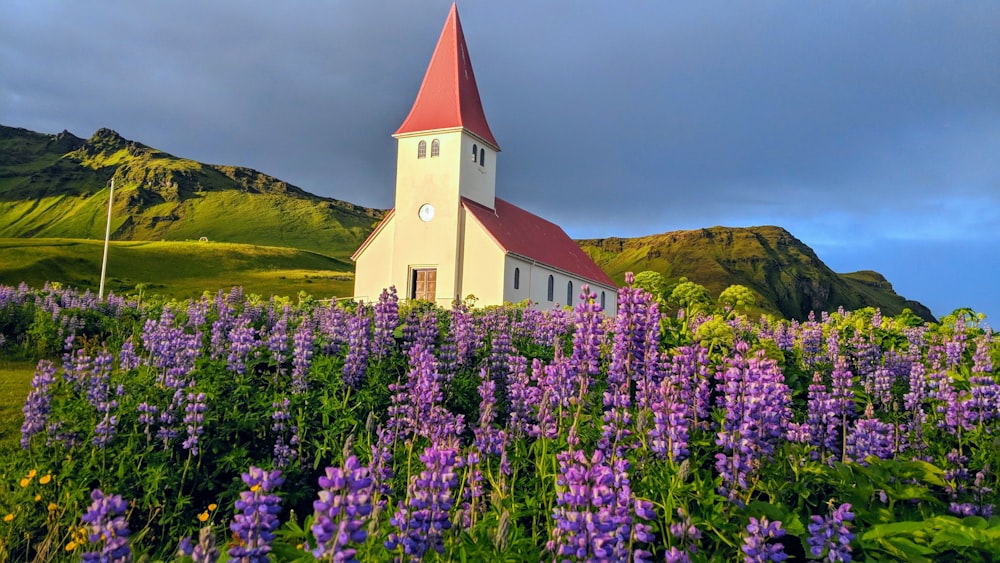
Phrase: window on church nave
[517,278]
[475,152]
[552,288]
[422,149]
[482,157]
[569,293]
[435,148]
[603,304]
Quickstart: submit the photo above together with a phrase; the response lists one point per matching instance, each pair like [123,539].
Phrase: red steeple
[449,96]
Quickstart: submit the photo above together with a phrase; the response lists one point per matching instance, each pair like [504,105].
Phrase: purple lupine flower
[955,406]
[669,435]
[524,398]
[257,520]
[386,320]
[106,527]
[686,534]
[984,392]
[171,350]
[544,397]
[588,333]
[423,518]
[918,387]
[629,360]
[832,345]
[841,409]
[39,402]
[690,373]
[756,548]
[342,509]
[194,419]
[488,437]
[595,511]
[99,394]
[865,355]
[461,326]
[380,467]
[205,551]
[757,411]
[810,339]
[302,353]
[417,405]
[954,347]
[127,358]
[871,437]
[283,451]
[277,339]
[831,535]
[242,340]
[472,489]
[147,416]
[197,313]
[821,423]
[358,347]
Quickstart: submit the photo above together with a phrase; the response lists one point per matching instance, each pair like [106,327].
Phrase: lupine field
[235,428]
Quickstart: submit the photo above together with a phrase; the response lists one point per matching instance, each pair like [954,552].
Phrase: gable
[374,234]
[519,232]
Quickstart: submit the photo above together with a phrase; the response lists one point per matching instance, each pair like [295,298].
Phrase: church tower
[448,235]
[445,152]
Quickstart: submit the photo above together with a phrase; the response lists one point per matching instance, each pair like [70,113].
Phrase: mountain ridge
[49,191]
[784,273]
[55,186]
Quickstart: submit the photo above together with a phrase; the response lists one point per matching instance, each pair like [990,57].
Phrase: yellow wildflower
[71,546]
[253,489]
[53,506]
[9,517]
[45,479]
[213,506]
[38,498]
[25,481]
[32,473]
[203,517]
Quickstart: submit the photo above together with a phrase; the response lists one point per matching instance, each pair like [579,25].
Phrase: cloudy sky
[870,130]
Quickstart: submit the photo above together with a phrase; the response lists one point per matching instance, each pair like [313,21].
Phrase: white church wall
[482,264]
[374,266]
[534,285]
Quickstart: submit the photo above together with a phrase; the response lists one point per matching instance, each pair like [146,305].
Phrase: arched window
[475,152]
[517,278]
[569,293]
[422,149]
[435,148]
[482,157]
[552,288]
[603,301]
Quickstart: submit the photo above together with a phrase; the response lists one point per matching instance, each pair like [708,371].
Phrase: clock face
[426,212]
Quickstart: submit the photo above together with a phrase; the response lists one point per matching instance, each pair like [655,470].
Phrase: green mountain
[57,186]
[785,274]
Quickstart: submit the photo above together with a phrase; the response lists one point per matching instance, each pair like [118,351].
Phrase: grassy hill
[785,274]
[175,269]
[56,186]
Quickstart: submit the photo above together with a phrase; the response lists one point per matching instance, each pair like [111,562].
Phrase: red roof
[520,232]
[449,96]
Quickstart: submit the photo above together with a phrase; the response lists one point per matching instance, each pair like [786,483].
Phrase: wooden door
[424,284]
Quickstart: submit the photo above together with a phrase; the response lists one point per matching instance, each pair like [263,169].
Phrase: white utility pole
[107,237]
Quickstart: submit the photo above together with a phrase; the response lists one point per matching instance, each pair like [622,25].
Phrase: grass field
[15,382]
[175,269]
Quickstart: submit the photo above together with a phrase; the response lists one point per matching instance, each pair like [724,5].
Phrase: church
[448,235]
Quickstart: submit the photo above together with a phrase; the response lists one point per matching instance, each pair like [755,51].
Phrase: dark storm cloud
[849,123]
